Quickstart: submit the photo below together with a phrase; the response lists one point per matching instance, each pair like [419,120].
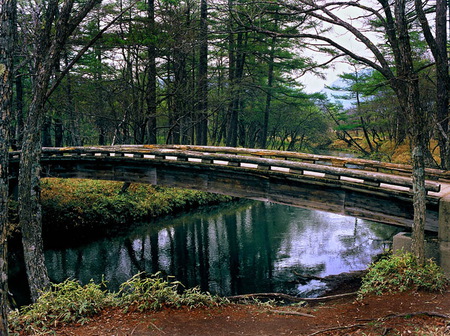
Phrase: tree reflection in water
[234,249]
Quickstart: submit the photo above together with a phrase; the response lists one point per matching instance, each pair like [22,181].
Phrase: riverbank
[200,321]
[77,210]
[153,305]
[411,313]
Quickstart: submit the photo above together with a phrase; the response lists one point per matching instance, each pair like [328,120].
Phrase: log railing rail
[355,173]
[345,162]
[364,189]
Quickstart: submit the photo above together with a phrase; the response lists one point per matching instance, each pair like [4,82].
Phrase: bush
[64,303]
[155,292]
[399,273]
[70,302]
[149,292]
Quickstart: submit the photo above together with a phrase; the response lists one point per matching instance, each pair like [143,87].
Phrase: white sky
[314,83]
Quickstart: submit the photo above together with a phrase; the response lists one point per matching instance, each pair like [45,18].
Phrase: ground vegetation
[152,304]
[90,209]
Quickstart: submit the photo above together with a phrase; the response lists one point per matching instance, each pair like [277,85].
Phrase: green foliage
[399,273]
[155,292]
[70,302]
[149,293]
[65,303]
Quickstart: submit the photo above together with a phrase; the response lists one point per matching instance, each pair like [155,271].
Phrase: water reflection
[240,248]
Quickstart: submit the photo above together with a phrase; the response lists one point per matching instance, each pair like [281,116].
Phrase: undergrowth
[402,272]
[90,207]
[70,302]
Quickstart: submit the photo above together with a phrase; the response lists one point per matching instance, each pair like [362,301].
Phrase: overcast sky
[316,84]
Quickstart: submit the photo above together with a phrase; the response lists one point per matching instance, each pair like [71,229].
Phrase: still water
[245,247]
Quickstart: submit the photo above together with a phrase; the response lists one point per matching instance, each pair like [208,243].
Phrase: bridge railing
[346,162]
[311,168]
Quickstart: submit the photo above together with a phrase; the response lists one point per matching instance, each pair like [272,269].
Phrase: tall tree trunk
[409,94]
[51,31]
[47,132]
[202,107]
[74,126]
[30,215]
[265,130]
[17,140]
[59,132]
[151,74]
[232,117]
[237,62]
[438,47]
[7,39]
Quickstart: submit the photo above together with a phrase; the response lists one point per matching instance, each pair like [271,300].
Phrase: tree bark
[438,47]
[202,97]
[270,74]
[30,214]
[17,139]
[52,29]
[151,74]
[232,113]
[7,39]
[409,94]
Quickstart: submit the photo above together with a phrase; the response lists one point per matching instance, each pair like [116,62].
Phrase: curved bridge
[361,188]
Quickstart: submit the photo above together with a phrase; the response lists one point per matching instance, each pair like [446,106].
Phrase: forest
[189,72]
[216,72]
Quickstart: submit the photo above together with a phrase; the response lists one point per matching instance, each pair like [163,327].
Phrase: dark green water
[234,249]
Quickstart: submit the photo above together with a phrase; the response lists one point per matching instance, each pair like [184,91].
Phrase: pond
[237,248]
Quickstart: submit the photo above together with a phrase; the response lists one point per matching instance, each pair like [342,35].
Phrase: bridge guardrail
[350,176]
[347,162]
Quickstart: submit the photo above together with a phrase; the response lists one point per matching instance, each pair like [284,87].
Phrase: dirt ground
[414,313]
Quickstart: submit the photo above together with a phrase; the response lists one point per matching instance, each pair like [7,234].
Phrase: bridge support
[444,219]
[444,233]
[439,251]
[444,257]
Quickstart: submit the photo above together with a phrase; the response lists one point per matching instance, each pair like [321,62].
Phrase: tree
[151,74]
[438,47]
[7,41]
[354,83]
[52,28]
[202,89]
[393,21]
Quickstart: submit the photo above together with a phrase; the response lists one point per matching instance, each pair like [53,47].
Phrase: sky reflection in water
[240,248]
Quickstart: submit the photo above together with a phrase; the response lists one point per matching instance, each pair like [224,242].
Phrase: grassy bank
[70,302]
[87,208]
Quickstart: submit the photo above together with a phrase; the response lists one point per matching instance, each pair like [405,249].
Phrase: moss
[87,208]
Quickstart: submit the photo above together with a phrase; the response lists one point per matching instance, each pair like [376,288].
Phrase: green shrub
[64,303]
[401,272]
[194,298]
[69,302]
[149,292]
[155,292]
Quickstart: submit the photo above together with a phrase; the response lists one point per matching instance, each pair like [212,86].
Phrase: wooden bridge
[361,188]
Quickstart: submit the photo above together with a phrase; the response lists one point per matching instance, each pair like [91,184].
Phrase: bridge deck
[362,188]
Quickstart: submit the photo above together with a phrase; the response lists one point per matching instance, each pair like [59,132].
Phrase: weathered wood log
[290,312]
[368,177]
[288,298]
[337,161]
